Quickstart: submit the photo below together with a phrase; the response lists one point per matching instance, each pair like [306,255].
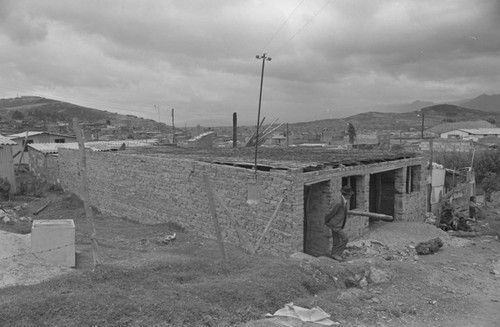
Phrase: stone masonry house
[160,184]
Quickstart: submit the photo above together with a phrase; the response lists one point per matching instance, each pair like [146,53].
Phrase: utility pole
[264,58]
[287,137]
[173,127]
[159,123]
[422,132]
[235,130]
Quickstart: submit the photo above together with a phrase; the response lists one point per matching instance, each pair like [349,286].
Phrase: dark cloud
[19,26]
[199,56]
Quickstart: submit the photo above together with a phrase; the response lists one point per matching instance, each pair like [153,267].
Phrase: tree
[17,115]
[491,121]
[351,132]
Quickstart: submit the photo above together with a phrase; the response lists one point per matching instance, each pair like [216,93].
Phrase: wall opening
[413,174]
[316,205]
[382,192]
[356,182]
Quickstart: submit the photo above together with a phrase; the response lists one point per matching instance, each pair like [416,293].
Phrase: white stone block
[54,241]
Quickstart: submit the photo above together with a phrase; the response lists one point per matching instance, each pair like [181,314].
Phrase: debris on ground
[430,218]
[452,220]
[9,214]
[166,240]
[429,247]
[291,312]
[404,236]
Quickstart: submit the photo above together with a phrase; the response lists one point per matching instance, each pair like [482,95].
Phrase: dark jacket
[336,218]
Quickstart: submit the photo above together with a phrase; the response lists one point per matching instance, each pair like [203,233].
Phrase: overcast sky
[330,59]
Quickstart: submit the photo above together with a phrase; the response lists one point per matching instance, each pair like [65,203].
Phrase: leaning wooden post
[242,235]
[85,192]
[215,221]
[22,151]
[269,223]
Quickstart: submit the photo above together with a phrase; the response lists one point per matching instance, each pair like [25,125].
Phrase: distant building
[473,134]
[448,127]
[30,137]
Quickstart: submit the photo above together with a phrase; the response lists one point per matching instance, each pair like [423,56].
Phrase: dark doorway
[317,237]
[382,191]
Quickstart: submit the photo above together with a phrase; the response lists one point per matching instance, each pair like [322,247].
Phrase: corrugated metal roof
[34,133]
[481,131]
[448,127]
[23,134]
[199,137]
[51,148]
[6,141]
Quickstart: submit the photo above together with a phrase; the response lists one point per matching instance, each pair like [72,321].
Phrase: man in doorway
[335,220]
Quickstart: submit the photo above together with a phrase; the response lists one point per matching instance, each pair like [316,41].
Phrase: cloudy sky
[330,59]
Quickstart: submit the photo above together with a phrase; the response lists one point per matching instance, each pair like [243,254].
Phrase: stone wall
[159,189]
[154,189]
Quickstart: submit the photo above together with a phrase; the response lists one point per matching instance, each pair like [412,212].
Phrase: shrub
[4,188]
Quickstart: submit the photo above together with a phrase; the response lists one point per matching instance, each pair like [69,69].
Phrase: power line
[303,26]
[282,25]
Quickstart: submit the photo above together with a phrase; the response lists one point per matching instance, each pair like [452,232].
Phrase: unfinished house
[290,192]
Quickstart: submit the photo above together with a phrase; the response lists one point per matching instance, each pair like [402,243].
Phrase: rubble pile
[9,215]
[377,249]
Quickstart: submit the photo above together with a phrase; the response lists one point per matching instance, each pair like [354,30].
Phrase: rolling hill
[34,111]
[387,121]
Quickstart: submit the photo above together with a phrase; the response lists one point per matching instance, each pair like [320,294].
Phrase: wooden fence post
[85,192]
[211,204]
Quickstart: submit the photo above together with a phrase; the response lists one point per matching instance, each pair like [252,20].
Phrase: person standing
[335,220]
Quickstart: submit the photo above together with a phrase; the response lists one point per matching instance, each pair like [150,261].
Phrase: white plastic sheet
[315,315]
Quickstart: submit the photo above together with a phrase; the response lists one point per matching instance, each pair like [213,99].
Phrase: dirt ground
[457,286]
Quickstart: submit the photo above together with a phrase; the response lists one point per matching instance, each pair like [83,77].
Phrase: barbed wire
[100,249]
[37,252]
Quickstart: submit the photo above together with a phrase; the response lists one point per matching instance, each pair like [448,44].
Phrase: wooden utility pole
[173,127]
[264,57]
[287,137]
[85,192]
[431,159]
[235,130]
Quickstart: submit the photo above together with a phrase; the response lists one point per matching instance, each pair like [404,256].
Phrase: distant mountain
[484,102]
[407,121]
[401,107]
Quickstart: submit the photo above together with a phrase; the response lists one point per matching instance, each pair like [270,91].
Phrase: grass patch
[192,291]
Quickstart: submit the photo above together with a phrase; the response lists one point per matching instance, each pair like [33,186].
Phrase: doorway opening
[317,236]
[382,192]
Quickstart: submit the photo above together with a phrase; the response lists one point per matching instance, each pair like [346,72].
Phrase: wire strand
[302,27]
[282,25]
